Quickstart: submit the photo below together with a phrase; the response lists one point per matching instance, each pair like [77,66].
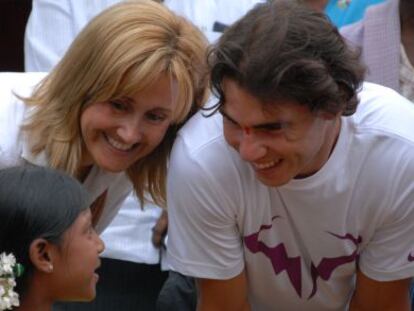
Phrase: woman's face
[121,131]
[74,266]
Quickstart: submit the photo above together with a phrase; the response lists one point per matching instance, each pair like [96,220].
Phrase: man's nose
[250,147]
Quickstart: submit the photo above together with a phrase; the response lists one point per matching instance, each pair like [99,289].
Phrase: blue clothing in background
[347,14]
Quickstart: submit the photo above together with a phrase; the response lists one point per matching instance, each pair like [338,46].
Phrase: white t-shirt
[299,243]
[52,26]
[15,145]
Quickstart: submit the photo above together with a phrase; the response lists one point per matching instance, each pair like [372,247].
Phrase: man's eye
[273,127]
[117,105]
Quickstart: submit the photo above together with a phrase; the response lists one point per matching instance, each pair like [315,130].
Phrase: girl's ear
[41,253]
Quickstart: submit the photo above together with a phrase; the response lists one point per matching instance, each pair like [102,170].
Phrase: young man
[299,194]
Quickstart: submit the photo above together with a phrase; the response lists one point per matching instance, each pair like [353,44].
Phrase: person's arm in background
[50,30]
[223,295]
[374,295]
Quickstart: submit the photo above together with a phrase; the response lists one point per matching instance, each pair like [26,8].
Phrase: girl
[46,226]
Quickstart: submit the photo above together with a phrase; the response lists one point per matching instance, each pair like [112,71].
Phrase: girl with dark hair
[47,242]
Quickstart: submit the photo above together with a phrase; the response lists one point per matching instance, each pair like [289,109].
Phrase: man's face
[280,140]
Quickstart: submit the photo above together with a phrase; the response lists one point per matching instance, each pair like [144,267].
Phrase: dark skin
[407,27]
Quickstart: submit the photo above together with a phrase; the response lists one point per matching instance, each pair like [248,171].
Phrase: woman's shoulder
[12,113]
[20,80]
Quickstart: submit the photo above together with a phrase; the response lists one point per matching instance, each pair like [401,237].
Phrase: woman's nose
[130,131]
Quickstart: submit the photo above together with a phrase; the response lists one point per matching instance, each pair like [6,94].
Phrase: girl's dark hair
[36,202]
[282,50]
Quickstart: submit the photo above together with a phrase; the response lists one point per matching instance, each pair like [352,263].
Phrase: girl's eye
[117,105]
[89,229]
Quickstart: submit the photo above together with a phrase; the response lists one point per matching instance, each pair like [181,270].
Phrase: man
[299,194]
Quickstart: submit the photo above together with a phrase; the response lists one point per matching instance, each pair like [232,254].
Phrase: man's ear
[328,115]
[41,253]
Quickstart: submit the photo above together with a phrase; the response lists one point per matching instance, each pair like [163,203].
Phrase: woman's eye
[157,117]
[118,105]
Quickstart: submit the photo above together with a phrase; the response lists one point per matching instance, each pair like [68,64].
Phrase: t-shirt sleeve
[203,238]
[389,255]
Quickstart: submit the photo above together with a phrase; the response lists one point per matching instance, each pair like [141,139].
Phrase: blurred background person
[386,38]
[342,12]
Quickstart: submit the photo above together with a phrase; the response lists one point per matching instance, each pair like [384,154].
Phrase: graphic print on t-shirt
[327,266]
[281,261]
[410,257]
[278,257]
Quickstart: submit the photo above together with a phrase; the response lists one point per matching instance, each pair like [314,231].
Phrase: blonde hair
[120,52]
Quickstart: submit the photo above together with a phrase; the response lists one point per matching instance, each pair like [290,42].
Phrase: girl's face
[76,261]
[121,131]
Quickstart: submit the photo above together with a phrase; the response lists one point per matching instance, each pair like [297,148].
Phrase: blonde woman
[108,113]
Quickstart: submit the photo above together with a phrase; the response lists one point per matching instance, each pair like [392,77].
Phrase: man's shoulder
[201,152]
[203,132]
[384,110]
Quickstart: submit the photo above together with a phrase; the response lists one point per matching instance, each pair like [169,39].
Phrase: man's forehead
[236,96]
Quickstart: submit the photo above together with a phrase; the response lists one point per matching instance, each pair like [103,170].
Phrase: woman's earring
[50,268]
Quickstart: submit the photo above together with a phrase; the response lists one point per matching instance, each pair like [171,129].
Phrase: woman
[109,111]
[48,247]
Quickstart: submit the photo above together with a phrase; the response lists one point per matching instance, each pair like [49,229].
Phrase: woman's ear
[41,253]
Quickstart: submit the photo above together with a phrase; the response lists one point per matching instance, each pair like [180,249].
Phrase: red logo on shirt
[278,257]
[282,262]
[327,266]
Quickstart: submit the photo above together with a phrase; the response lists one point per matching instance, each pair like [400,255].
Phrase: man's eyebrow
[227,116]
[263,126]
